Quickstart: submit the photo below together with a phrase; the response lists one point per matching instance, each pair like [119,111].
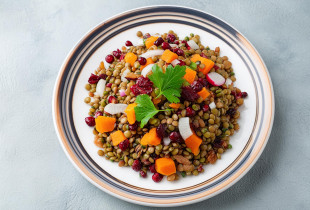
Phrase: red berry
[176,137]
[157,177]
[205,108]
[109,58]
[203,55]
[176,42]
[102,76]
[109,85]
[90,121]
[180,52]
[165,46]
[189,94]
[117,53]
[128,43]
[158,41]
[142,60]
[93,79]
[204,82]
[147,35]
[161,130]
[170,38]
[122,57]
[133,127]
[190,112]
[197,86]
[182,63]
[244,94]
[112,99]
[136,166]
[124,144]
[216,67]
[98,113]
[143,174]
[200,168]
[152,168]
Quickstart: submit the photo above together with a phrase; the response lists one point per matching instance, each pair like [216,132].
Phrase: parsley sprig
[145,109]
[170,82]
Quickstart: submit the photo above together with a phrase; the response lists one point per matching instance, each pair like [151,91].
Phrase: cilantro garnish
[145,109]
[170,82]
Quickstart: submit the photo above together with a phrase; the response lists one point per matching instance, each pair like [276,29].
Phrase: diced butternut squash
[169,56]
[101,65]
[150,138]
[130,58]
[105,124]
[150,41]
[193,142]
[156,100]
[207,62]
[148,61]
[190,75]
[117,137]
[165,166]
[174,105]
[208,65]
[204,93]
[130,112]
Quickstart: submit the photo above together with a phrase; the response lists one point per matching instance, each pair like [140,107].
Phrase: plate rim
[75,47]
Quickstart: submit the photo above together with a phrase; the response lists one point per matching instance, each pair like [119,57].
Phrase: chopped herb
[232,73]
[208,48]
[186,38]
[191,34]
[229,146]
[183,174]
[193,66]
[170,82]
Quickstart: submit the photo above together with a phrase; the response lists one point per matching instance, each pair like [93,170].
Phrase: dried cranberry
[152,168]
[217,143]
[90,121]
[190,112]
[231,112]
[158,41]
[186,45]
[122,57]
[133,127]
[161,130]
[205,108]
[238,95]
[175,50]
[216,67]
[93,79]
[197,86]
[109,85]
[117,53]
[176,42]
[143,86]
[136,166]
[189,94]
[244,94]
[142,60]
[170,38]
[98,113]
[204,82]
[200,168]
[112,99]
[182,63]
[143,174]
[102,76]
[128,43]
[124,144]
[147,35]
[175,137]
[165,46]
[109,58]
[157,177]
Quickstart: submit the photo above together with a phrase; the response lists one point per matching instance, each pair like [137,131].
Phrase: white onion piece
[166,141]
[147,69]
[100,87]
[152,53]
[185,128]
[228,82]
[212,105]
[115,108]
[175,62]
[193,44]
[123,77]
[173,45]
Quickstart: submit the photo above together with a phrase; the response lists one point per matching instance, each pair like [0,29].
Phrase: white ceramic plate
[69,109]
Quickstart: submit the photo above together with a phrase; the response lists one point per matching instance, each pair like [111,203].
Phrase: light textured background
[35,37]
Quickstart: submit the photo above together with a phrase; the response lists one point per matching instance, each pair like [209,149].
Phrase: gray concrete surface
[35,37]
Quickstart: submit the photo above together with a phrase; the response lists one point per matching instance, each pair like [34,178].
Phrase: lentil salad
[167,106]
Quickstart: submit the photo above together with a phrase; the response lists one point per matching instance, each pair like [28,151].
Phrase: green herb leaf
[170,82]
[145,109]
[183,174]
